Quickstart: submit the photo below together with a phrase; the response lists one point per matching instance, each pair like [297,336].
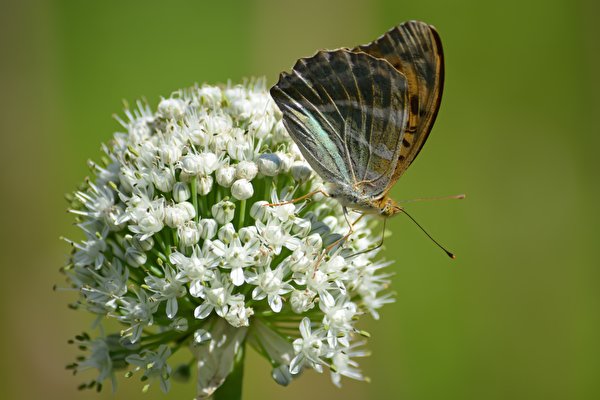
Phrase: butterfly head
[389,208]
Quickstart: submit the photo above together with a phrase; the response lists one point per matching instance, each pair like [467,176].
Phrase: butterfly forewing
[414,48]
[347,112]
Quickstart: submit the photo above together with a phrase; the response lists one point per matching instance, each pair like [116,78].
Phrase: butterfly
[361,116]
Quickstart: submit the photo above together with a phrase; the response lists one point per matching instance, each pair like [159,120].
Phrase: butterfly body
[360,116]
[360,200]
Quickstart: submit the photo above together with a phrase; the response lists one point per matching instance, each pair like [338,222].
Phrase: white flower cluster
[182,247]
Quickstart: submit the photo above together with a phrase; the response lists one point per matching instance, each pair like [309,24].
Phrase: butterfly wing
[414,48]
[347,112]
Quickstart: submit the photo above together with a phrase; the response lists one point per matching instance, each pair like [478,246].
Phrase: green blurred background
[516,316]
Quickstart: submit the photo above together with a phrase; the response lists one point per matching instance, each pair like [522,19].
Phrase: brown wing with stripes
[347,112]
[414,48]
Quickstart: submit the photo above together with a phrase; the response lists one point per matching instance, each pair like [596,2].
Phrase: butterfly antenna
[451,255]
[456,196]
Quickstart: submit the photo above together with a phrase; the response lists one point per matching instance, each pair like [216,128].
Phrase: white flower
[235,257]
[259,211]
[181,244]
[91,251]
[154,365]
[210,93]
[99,359]
[147,216]
[217,296]
[270,284]
[344,365]
[238,314]
[199,267]
[168,288]
[309,349]
[274,236]
[338,319]
[139,313]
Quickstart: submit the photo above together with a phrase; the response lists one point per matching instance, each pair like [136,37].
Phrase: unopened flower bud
[301,171]
[315,241]
[201,336]
[180,324]
[188,233]
[279,130]
[134,257]
[301,227]
[142,245]
[188,209]
[246,170]
[163,179]
[226,233]
[242,189]
[259,210]
[286,161]
[282,375]
[175,216]
[181,192]
[269,164]
[191,164]
[208,228]
[210,94]
[302,300]
[225,176]
[170,154]
[248,234]
[223,212]
[237,149]
[209,163]
[298,262]
[204,185]
[295,151]
[331,222]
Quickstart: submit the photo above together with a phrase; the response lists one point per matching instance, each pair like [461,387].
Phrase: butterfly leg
[306,196]
[340,240]
[347,235]
[373,248]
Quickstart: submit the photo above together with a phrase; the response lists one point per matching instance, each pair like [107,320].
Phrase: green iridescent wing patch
[347,112]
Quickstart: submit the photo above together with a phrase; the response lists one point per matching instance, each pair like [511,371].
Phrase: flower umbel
[180,246]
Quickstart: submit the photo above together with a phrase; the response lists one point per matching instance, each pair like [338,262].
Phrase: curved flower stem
[231,389]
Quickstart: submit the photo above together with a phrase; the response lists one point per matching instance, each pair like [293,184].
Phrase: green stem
[231,389]
[195,198]
[242,220]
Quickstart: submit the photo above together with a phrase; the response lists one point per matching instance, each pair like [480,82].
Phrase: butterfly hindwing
[347,111]
[414,48]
